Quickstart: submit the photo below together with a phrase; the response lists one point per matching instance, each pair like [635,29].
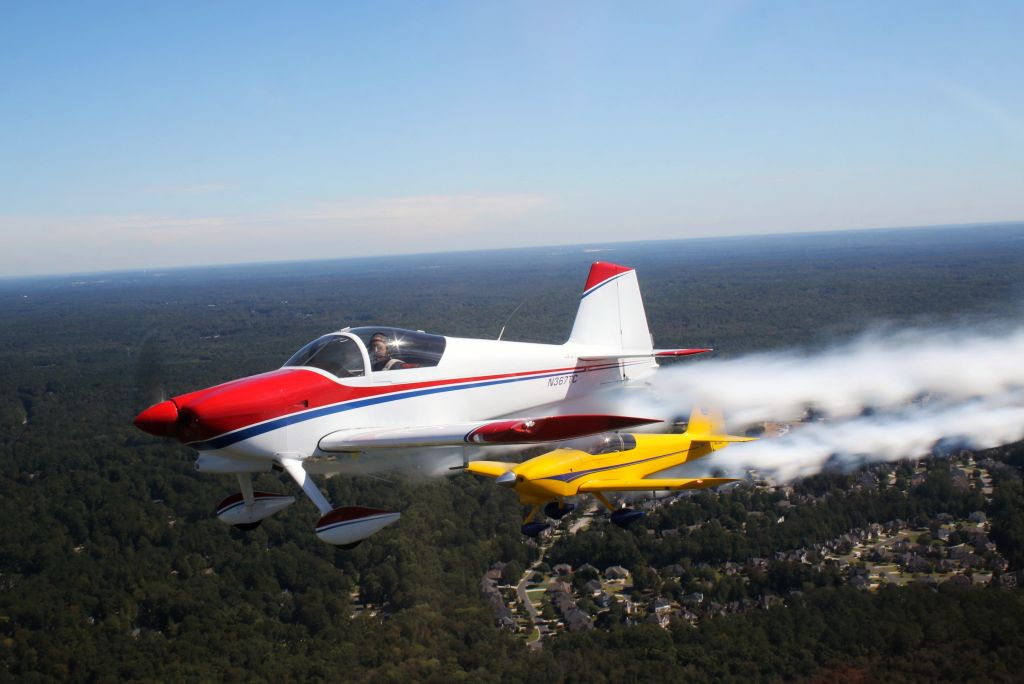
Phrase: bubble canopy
[345,354]
[606,443]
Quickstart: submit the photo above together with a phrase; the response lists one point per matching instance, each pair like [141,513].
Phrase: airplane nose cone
[507,479]
[159,419]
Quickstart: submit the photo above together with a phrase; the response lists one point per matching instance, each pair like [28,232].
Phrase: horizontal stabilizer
[597,355]
[722,438]
[505,431]
[489,468]
[651,485]
[680,352]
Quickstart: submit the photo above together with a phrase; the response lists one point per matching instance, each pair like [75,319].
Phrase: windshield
[335,354]
[609,443]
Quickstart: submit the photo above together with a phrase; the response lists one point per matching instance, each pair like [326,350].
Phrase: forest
[113,567]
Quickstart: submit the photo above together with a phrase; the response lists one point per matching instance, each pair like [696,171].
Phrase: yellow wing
[489,468]
[650,485]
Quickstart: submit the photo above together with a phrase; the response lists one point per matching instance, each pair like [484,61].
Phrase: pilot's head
[379,346]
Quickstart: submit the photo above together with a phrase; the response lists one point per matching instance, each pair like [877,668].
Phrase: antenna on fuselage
[514,311]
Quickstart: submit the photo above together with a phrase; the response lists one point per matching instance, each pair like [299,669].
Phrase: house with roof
[616,572]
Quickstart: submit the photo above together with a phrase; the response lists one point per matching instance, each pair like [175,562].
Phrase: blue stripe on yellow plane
[614,462]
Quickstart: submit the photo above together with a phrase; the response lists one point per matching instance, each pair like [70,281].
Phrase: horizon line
[322,260]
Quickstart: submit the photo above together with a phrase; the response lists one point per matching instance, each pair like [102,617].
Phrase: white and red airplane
[378,391]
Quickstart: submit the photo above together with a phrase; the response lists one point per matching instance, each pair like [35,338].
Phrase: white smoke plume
[978,424]
[884,396]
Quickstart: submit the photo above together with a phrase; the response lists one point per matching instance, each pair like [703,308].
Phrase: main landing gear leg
[293,467]
[248,498]
[530,528]
[533,514]
[605,502]
[346,526]
[620,516]
[245,486]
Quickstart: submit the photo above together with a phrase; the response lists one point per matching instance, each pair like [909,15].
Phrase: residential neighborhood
[933,550]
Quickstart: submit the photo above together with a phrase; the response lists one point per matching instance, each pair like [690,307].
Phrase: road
[524,598]
[581,523]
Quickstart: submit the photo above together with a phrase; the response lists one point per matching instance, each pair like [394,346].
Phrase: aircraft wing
[651,485]
[638,353]
[502,431]
[489,468]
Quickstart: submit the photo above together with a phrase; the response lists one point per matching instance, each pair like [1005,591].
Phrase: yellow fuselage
[558,474]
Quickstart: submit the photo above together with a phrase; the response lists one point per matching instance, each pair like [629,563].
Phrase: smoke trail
[914,432]
[886,396]
[877,371]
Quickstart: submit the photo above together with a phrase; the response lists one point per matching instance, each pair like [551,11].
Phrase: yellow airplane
[613,462]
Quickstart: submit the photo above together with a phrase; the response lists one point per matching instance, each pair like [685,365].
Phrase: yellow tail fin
[706,428]
[704,421]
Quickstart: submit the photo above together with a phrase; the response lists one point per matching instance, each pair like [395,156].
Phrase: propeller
[150,387]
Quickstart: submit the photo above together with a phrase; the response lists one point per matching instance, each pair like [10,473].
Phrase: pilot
[380,356]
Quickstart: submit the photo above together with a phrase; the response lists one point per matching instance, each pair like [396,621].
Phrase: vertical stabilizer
[611,313]
[706,430]
[705,421]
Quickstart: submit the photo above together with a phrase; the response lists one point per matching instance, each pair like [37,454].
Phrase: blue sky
[147,135]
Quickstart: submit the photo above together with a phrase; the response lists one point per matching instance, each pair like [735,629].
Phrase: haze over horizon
[140,137]
[601,250]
